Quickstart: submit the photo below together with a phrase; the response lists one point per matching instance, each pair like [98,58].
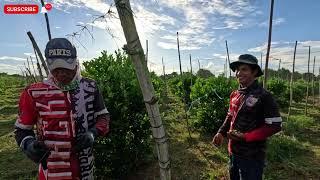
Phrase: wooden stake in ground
[268,48]
[38,65]
[319,85]
[36,47]
[228,60]
[261,62]
[291,81]
[279,69]
[135,51]
[47,20]
[34,69]
[179,53]
[147,51]
[314,63]
[308,81]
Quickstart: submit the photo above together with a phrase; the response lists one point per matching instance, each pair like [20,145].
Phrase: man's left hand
[86,140]
[236,135]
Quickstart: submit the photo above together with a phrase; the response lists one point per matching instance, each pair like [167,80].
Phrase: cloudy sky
[203,27]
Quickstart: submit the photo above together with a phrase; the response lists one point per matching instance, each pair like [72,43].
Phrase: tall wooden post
[36,47]
[308,80]
[179,53]
[314,62]
[147,52]
[34,69]
[268,48]
[190,63]
[135,50]
[279,68]
[228,60]
[199,64]
[291,81]
[47,21]
[261,62]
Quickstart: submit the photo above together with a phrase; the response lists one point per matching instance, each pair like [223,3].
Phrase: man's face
[64,76]
[245,75]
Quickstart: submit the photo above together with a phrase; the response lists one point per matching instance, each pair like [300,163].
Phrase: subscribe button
[21,9]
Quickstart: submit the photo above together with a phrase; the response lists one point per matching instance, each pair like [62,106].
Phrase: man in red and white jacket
[68,112]
[253,116]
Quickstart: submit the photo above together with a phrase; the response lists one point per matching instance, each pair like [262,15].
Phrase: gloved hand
[37,151]
[236,135]
[86,139]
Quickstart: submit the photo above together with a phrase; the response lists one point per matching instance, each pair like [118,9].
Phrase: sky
[203,26]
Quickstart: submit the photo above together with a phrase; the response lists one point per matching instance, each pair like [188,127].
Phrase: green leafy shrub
[280,90]
[210,99]
[181,86]
[129,141]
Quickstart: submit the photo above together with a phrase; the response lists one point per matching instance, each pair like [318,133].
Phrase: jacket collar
[246,90]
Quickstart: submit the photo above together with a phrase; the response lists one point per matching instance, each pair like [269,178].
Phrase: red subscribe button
[21,9]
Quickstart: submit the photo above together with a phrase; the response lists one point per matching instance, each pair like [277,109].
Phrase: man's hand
[217,139]
[37,151]
[236,135]
[86,140]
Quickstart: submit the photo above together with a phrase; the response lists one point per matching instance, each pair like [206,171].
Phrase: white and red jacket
[59,117]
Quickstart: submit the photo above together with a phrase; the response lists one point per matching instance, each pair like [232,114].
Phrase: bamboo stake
[36,47]
[147,50]
[38,65]
[228,60]
[135,51]
[179,53]
[34,70]
[47,20]
[268,48]
[308,80]
[190,68]
[314,62]
[291,81]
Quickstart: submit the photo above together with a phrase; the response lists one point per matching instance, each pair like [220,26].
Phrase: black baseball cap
[60,53]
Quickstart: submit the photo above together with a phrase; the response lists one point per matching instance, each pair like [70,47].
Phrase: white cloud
[12,58]
[57,27]
[275,22]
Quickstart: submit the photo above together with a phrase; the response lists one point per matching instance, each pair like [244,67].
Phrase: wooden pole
[199,64]
[291,81]
[261,62]
[38,65]
[47,20]
[147,51]
[319,85]
[268,48]
[314,62]
[228,60]
[179,53]
[135,51]
[308,80]
[34,69]
[279,69]
[190,68]
[190,63]
[36,47]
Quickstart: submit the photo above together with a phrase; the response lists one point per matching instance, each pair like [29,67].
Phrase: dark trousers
[245,169]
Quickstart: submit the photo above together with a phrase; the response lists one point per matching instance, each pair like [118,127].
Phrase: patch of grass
[297,124]
[8,110]
[6,127]
[13,163]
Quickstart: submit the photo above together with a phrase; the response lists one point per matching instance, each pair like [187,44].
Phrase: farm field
[292,154]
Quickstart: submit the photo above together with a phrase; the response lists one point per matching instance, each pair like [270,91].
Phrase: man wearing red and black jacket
[68,112]
[253,116]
